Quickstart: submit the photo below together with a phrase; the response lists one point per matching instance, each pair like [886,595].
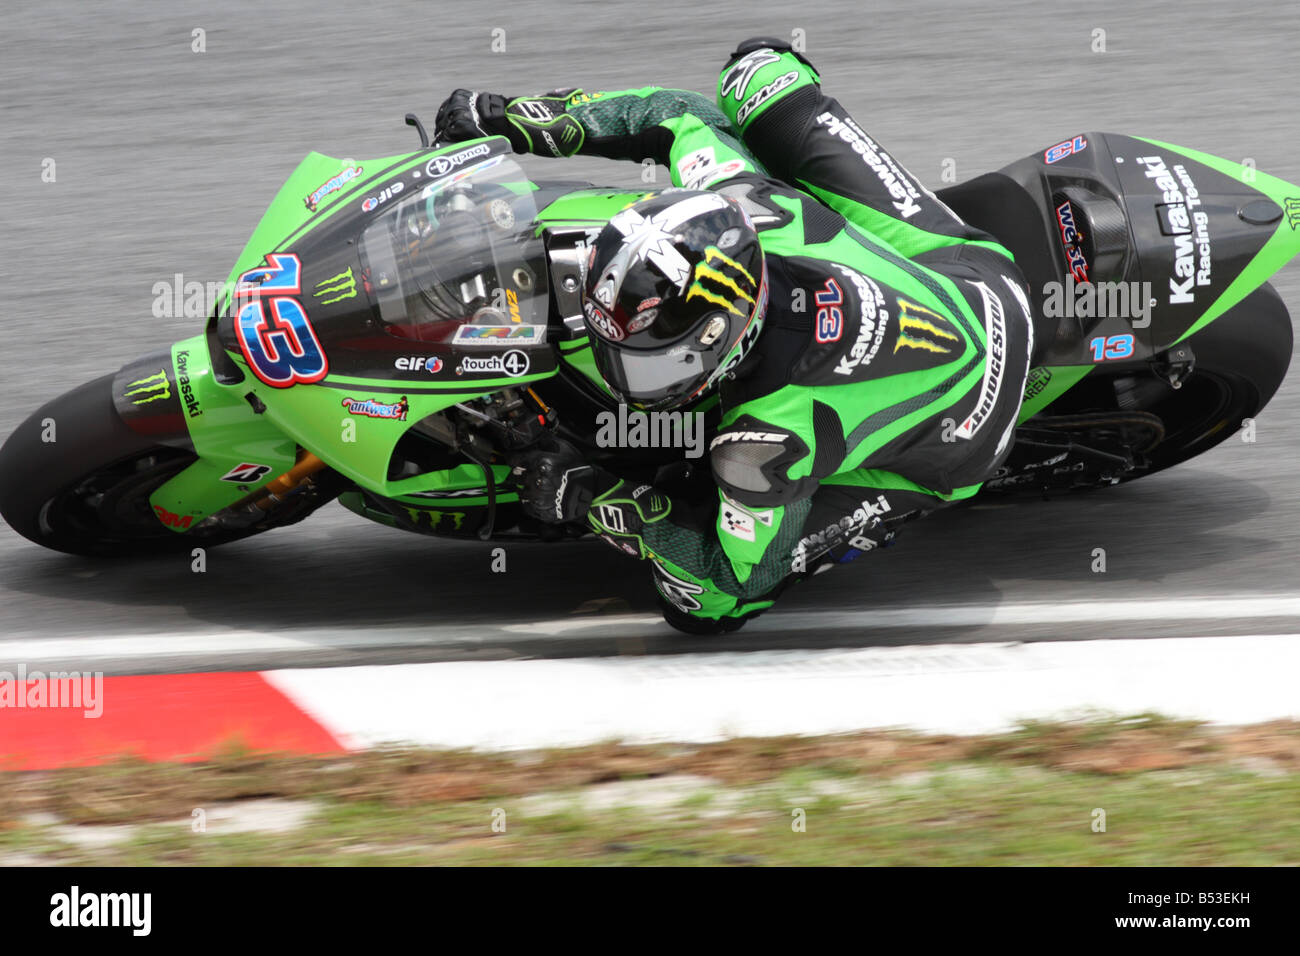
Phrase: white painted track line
[213,643]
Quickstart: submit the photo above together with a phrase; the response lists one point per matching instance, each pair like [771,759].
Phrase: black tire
[1241,359]
[87,492]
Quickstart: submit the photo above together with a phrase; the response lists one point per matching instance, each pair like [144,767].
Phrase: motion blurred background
[166,158]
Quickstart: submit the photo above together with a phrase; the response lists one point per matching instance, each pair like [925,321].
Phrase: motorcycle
[396,329]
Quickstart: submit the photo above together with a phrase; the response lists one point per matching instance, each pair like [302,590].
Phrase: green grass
[1025,798]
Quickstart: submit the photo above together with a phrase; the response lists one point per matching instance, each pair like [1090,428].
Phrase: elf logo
[414,363]
[246,473]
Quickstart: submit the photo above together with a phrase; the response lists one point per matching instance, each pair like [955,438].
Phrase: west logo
[1071,237]
[149,389]
[919,328]
[336,287]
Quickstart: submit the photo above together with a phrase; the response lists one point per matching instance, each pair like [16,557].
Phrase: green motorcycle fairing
[361,263]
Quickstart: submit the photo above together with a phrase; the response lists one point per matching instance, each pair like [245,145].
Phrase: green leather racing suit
[888,374]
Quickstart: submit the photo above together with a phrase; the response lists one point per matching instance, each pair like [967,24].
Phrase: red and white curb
[501,705]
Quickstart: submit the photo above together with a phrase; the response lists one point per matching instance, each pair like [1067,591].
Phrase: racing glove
[555,484]
[533,124]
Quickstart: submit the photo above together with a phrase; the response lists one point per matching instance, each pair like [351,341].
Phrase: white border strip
[960,689]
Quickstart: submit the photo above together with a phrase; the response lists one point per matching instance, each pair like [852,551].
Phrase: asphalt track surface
[165,159]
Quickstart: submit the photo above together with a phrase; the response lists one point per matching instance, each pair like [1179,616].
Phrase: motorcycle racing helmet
[674,296]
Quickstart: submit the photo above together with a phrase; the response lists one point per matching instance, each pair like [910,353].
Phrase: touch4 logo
[337,287]
[151,388]
[725,275]
[918,328]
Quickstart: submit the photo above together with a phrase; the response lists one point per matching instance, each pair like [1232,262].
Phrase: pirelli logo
[924,329]
[723,281]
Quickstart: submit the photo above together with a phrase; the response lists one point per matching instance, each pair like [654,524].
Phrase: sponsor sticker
[500,335]
[442,165]
[1070,239]
[369,408]
[331,185]
[700,168]
[1181,218]
[602,321]
[374,202]
[336,287]
[415,363]
[513,364]
[873,319]
[995,329]
[735,522]
[246,473]
[151,388]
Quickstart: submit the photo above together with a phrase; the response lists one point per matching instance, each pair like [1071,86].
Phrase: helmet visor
[652,379]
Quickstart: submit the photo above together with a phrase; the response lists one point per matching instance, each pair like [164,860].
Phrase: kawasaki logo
[183,379]
[442,165]
[873,318]
[149,389]
[337,287]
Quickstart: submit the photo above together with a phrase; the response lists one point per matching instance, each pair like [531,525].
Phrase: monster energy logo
[341,286]
[157,384]
[913,320]
[435,518]
[714,269]
[1292,212]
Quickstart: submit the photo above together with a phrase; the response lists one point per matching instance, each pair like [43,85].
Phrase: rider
[869,346]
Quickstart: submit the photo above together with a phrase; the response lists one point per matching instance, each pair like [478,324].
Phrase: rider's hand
[555,485]
[533,124]
[469,114]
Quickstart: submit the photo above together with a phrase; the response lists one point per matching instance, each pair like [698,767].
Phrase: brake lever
[413,120]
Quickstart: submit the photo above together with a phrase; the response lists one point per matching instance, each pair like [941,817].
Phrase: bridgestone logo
[995,366]
[442,165]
